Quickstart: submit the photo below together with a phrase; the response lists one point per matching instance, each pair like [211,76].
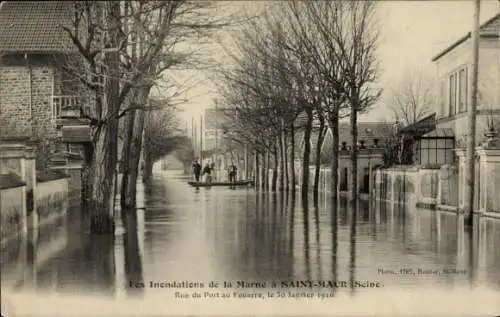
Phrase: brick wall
[46,80]
[42,83]
[15,98]
[15,116]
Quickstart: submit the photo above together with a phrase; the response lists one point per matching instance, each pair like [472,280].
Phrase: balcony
[66,111]
[66,106]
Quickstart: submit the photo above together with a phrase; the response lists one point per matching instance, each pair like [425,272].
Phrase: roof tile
[34,26]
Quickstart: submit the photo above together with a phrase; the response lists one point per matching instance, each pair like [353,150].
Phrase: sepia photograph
[250,158]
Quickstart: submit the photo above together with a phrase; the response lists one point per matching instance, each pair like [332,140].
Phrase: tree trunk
[103,170]
[262,171]
[277,159]
[267,164]
[281,165]
[256,174]
[105,153]
[307,154]
[86,178]
[334,127]
[286,162]
[292,161]
[132,153]
[319,145]
[125,159]
[148,168]
[354,157]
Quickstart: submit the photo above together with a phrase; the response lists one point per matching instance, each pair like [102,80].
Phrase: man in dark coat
[232,173]
[196,170]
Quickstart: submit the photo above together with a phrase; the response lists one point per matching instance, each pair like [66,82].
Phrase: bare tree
[316,57]
[314,37]
[412,99]
[162,135]
[260,87]
[357,47]
[123,48]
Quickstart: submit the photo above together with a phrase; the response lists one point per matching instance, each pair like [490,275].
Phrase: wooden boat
[203,184]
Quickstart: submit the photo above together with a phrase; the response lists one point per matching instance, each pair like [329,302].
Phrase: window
[366,180]
[457,98]
[462,90]
[435,151]
[453,94]
[343,179]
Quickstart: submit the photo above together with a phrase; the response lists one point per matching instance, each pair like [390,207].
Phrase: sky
[412,32]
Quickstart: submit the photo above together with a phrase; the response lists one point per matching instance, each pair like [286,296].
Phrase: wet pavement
[266,240]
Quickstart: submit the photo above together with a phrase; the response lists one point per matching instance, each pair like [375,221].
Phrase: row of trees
[301,62]
[124,48]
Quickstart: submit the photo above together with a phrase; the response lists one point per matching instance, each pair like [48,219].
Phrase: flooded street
[256,241]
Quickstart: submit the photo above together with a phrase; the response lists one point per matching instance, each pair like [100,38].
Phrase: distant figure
[232,173]
[196,171]
[208,171]
[212,169]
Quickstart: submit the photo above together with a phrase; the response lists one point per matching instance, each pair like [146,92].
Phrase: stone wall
[74,185]
[408,184]
[11,212]
[51,199]
[14,159]
[448,187]
[367,160]
[489,177]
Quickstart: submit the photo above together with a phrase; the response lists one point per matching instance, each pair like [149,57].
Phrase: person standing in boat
[213,172]
[208,171]
[232,172]
[196,171]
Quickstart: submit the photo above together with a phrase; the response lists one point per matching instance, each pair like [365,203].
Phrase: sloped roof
[422,126]
[488,28]
[35,26]
[367,132]
[440,133]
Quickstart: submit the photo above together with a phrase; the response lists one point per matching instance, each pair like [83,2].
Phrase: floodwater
[255,243]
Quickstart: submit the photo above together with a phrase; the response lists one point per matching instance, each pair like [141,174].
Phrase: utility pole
[195,141]
[201,138]
[471,137]
[215,159]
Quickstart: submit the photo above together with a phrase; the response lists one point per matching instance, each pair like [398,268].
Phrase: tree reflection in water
[352,247]
[133,260]
[242,234]
[305,215]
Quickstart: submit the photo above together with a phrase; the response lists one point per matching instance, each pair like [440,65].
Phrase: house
[422,143]
[372,139]
[453,66]
[432,140]
[38,96]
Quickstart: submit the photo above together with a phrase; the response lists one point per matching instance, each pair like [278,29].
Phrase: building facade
[38,97]
[453,66]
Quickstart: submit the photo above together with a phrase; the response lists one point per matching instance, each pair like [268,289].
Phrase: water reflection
[133,259]
[352,250]
[334,242]
[305,215]
[243,234]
